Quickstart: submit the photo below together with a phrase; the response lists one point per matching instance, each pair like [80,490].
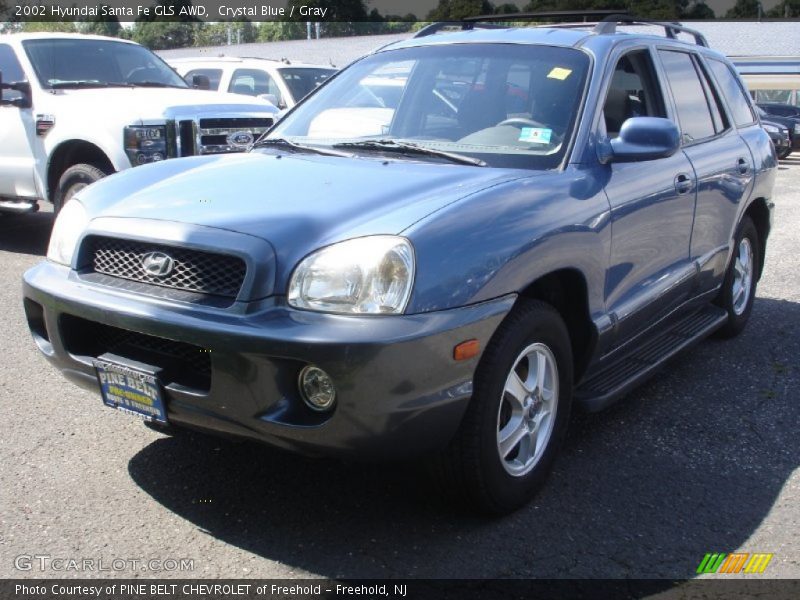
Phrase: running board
[606,386]
[11,206]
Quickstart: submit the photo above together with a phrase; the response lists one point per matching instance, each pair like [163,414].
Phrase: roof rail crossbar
[464,25]
[671,30]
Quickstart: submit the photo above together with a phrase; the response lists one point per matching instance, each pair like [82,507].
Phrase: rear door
[722,162]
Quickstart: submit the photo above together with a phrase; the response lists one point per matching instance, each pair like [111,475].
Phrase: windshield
[97,63]
[302,82]
[507,105]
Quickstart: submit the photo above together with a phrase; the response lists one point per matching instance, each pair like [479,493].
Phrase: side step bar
[604,387]
[11,206]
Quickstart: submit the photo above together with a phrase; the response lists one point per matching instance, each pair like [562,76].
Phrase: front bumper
[399,390]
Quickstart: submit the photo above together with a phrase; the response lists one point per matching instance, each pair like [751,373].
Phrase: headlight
[69,225]
[770,128]
[368,275]
[797,128]
[146,144]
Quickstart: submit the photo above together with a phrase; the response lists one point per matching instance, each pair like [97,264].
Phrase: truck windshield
[303,81]
[67,62]
[505,105]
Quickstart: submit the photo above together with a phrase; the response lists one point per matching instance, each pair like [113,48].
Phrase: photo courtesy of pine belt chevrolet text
[436,255]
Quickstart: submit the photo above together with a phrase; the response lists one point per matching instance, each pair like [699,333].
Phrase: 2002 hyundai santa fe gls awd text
[437,253]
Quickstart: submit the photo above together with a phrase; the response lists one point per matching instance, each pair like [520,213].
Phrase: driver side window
[633,92]
[12,71]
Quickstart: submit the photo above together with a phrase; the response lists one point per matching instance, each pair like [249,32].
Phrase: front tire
[518,414]
[73,180]
[739,287]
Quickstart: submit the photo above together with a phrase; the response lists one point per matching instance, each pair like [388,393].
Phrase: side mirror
[201,82]
[23,87]
[641,138]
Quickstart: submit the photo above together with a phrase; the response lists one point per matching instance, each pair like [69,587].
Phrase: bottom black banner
[396,589]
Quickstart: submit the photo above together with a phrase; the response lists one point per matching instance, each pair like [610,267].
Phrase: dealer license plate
[134,391]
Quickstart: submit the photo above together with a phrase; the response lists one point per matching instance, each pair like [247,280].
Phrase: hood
[148,104]
[297,202]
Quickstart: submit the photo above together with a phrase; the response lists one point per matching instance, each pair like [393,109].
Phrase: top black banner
[381,11]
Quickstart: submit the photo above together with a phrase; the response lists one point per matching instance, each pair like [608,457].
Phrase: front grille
[214,134]
[192,270]
[211,135]
[182,363]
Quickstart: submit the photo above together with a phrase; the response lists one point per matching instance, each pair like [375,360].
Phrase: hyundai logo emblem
[240,138]
[157,264]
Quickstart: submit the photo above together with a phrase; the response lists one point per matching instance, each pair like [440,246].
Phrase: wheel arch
[759,213]
[566,290]
[73,152]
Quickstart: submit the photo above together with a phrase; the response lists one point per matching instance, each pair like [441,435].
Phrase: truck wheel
[73,180]
[739,287]
[517,416]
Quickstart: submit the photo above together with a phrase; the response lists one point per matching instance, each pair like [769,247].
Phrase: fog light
[317,388]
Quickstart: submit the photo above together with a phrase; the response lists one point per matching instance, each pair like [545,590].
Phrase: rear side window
[691,101]
[733,92]
[253,82]
[12,71]
[214,75]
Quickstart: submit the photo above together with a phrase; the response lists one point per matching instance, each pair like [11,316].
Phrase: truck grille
[190,270]
[220,134]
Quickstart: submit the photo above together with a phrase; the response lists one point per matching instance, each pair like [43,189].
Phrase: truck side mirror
[23,87]
[201,82]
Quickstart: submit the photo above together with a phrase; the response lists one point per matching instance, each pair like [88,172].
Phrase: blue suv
[438,253]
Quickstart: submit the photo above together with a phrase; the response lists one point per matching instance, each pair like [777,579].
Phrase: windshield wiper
[300,147]
[77,84]
[411,148]
[153,84]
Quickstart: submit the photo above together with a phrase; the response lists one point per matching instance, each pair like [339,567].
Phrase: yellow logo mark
[758,563]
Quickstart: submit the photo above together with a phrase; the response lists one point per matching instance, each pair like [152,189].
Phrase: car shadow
[690,463]
[26,233]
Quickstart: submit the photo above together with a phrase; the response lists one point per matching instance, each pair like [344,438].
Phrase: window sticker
[535,135]
[559,73]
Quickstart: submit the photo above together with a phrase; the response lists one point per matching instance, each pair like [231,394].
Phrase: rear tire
[73,180]
[739,287]
[518,414]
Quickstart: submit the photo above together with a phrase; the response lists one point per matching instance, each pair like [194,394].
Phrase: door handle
[742,166]
[683,183]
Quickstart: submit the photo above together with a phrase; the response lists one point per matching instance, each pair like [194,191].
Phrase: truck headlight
[770,128]
[368,275]
[146,143]
[797,128]
[69,225]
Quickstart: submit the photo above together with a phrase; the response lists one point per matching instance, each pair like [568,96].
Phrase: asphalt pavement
[703,458]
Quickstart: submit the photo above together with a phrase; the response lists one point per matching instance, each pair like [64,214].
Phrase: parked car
[779,136]
[75,108]
[282,82]
[791,125]
[448,287]
[779,109]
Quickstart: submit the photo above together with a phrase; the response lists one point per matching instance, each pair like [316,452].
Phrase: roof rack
[607,25]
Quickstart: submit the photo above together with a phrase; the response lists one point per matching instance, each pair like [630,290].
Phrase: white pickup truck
[75,108]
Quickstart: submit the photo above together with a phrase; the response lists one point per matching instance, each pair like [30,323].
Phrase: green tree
[455,10]
[276,31]
[743,9]
[157,33]
[698,10]
[216,34]
[788,9]
[100,25]
[49,26]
